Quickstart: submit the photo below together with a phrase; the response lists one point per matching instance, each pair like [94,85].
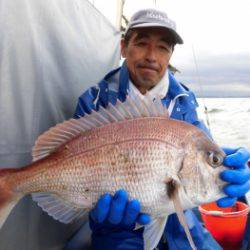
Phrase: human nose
[151,54]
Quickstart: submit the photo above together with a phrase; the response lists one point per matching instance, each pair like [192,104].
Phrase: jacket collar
[123,82]
[175,88]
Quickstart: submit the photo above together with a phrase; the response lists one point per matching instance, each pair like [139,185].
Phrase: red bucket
[227,225]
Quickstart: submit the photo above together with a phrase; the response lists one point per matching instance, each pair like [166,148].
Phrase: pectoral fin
[173,193]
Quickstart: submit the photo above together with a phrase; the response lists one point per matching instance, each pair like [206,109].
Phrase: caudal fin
[8,198]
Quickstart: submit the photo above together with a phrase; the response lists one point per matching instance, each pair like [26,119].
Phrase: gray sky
[216,39]
[225,75]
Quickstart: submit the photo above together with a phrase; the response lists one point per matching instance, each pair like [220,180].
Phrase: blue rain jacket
[115,86]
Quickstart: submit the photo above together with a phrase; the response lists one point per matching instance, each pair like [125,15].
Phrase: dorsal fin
[132,108]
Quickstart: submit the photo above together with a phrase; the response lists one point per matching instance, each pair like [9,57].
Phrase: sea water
[229,120]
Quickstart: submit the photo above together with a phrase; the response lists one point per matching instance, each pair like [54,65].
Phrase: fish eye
[215,160]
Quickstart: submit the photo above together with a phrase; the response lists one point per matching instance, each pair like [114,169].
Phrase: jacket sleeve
[87,102]
[192,117]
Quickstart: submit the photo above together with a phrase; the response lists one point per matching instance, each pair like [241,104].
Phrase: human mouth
[148,71]
[148,67]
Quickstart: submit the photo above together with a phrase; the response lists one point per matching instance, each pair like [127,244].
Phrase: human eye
[141,43]
[165,48]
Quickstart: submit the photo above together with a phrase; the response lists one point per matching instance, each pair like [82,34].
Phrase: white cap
[153,18]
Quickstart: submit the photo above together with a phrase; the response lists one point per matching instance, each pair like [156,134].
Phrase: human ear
[123,48]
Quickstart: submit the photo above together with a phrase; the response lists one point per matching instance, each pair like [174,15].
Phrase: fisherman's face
[147,56]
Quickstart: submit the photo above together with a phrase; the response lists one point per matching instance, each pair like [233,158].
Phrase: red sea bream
[168,165]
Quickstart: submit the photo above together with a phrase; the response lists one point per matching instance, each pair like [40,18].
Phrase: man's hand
[238,176]
[117,213]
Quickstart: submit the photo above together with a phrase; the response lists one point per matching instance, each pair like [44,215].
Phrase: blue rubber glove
[238,176]
[112,222]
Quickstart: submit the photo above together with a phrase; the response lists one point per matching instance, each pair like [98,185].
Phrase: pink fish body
[133,146]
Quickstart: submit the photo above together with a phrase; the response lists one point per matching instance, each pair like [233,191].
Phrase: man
[147,46]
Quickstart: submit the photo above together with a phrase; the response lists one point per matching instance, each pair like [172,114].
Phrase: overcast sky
[216,39]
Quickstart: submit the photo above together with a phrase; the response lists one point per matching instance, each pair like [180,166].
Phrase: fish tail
[8,198]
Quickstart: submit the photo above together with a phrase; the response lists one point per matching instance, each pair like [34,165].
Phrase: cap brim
[176,36]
